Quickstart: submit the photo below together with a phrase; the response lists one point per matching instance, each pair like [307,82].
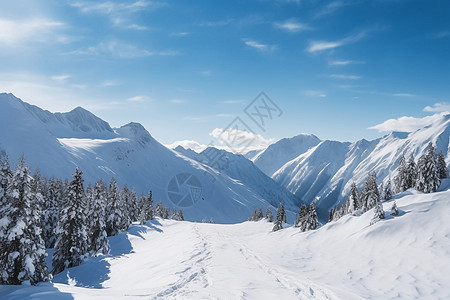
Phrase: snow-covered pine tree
[400,180]
[394,209]
[257,215]
[381,191]
[371,194]
[378,213]
[281,217]
[353,199]
[133,206]
[441,166]
[301,216]
[269,215]
[147,211]
[72,240]
[51,211]
[311,221]
[180,215]
[97,229]
[23,250]
[331,215]
[388,190]
[125,201]
[427,177]
[411,172]
[114,219]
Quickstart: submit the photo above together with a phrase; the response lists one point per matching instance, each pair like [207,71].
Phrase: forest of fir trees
[38,213]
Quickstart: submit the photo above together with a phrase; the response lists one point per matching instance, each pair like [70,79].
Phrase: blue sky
[186,68]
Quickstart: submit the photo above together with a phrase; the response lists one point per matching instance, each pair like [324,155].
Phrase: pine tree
[51,211]
[71,245]
[257,215]
[23,250]
[401,179]
[381,191]
[353,200]
[394,209]
[371,194]
[125,201]
[5,178]
[411,172]
[441,166]
[97,229]
[147,212]
[427,178]
[301,217]
[159,210]
[378,213]
[388,191]
[281,216]
[114,219]
[311,221]
[269,215]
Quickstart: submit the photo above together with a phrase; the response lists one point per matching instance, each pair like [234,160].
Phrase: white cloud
[60,78]
[343,62]
[402,95]
[180,34]
[258,141]
[441,34]
[405,124]
[108,83]
[438,107]
[345,76]
[206,73]
[231,101]
[17,33]
[139,98]
[120,50]
[206,118]
[178,101]
[258,46]
[318,46]
[330,8]
[291,26]
[313,93]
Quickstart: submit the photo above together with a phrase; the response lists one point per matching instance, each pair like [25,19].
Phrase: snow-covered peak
[135,131]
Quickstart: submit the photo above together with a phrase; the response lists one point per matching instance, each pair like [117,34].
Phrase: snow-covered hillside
[57,143]
[406,256]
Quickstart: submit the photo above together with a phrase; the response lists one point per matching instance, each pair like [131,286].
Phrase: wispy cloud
[258,46]
[438,107]
[206,73]
[330,8]
[231,101]
[108,83]
[319,46]
[180,34]
[403,95]
[120,50]
[314,93]
[17,33]
[217,23]
[344,62]
[119,12]
[405,124]
[178,101]
[441,35]
[345,76]
[291,25]
[139,98]
[205,118]
[61,78]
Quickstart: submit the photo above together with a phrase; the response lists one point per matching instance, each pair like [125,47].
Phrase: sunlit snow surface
[405,257]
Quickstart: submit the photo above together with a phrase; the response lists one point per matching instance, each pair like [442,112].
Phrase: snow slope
[57,143]
[401,257]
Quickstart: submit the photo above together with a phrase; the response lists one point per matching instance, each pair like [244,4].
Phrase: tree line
[38,213]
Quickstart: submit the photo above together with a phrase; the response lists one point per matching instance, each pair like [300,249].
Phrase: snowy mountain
[276,155]
[402,257]
[240,168]
[57,143]
[324,173]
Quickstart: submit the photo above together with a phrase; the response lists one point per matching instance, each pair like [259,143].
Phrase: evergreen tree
[401,179]
[353,200]
[147,212]
[114,219]
[71,246]
[257,215]
[310,222]
[51,212]
[269,215]
[381,191]
[411,172]
[23,250]
[331,215]
[394,209]
[370,193]
[125,201]
[388,191]
[441,166]
[302,215]
[427,178]
[378,213]
[97,229]
[281,216]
